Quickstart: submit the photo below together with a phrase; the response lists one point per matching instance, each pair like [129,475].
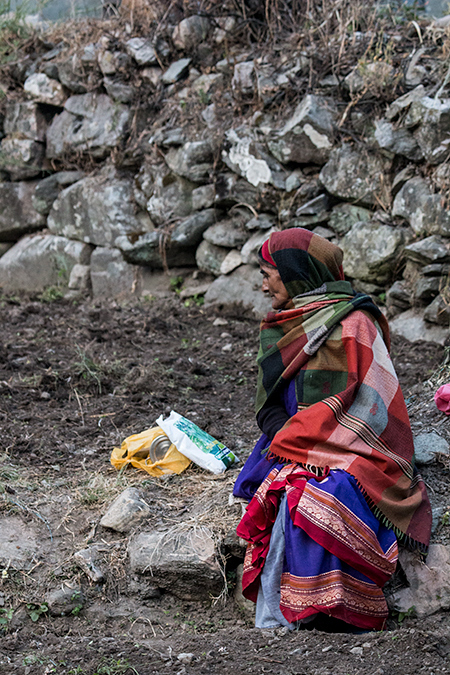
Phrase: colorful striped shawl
[351,412]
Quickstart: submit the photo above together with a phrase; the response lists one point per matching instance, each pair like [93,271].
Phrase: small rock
[44,89]
[126,511]
[176,71]
[65,600]
[357,650]
[185,658]
[86,559]
[142,51]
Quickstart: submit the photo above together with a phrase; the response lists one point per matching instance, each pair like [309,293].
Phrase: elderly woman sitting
[331,483]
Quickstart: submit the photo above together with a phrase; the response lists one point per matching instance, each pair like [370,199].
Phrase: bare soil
[75,380]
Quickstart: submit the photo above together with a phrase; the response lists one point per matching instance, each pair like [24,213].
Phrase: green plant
[5,616]
[176,284]
[197,299]
[51,294]
[36,611]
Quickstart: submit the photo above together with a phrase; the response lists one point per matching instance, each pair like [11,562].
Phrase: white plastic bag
[196,444]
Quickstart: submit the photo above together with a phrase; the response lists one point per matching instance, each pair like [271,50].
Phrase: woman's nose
[265,285]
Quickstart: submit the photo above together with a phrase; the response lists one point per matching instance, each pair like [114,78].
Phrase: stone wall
[124,154]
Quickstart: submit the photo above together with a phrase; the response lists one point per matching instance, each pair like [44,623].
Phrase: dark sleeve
[272,416]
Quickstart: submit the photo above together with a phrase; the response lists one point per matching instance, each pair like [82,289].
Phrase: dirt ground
[75,380]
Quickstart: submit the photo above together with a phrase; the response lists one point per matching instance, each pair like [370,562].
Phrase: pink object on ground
[442,398]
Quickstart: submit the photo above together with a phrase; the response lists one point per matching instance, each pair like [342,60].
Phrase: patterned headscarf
[305,261]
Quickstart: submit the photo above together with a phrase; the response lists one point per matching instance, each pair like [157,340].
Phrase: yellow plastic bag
[135,451]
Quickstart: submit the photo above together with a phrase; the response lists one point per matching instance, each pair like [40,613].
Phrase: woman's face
[273,285]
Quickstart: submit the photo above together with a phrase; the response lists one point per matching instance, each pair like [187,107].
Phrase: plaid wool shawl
[351,412]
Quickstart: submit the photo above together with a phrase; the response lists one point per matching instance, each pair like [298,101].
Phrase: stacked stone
[207,198]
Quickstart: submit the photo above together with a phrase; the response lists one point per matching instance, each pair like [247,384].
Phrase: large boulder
[194,160]
[159,248]
[89,123]
[358,176]
[307,137]
[432,116]
[245,155]
[111,276]
[423,210]
[428,589]
[45,89]
[97,209]
[191,31]
[412,327]
[25,119]
[181,561]
[22,158]
[239,291]
[370,250]
[397,141]
[17,213]
[39,261]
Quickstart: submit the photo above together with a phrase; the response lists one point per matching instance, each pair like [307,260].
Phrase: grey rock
[356,176]
[369,77]
[429,250]
[126,512]
[19,542]
[118,91]
[39,261]
[80,278]
[21,157]
[399,295]
[191,31]
[263,221]
[87,560]
[247,157]
[90,122]
[171,198]
[429,582]
[411,325]
[97,209]
[428,446]
[232,190]
[26,120]
[17,213]
[438,312]
[422,209]
[168,138]
[247,607]
[207,83]
[433,133]
[243,81]
[370,250]
[401,178]
[203,197]
[178,249]
[5,247]
[436,270]
[232,260]
[230,233]
[71,73]
[111,63]
[239,291]
[249,252]
[426,289]
[344,216]
[194,160]
[397,141]
[181,561]
[142,51]
[307,135]
[209,257]
[176,71]
[45,89]
[110,275]
[68,599]
[48,189]
[403,102]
